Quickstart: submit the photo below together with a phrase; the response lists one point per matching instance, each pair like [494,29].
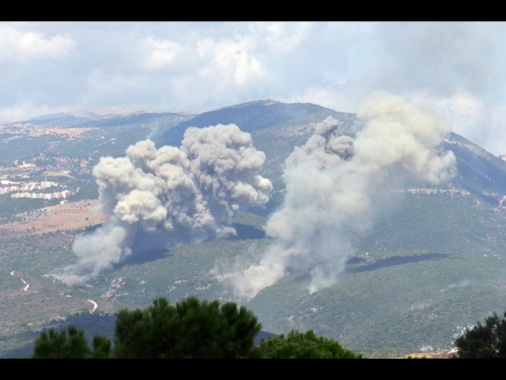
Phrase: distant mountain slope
[96,121]
[431,264]
[69,135]
[252,117]
[478,171]
[278,127]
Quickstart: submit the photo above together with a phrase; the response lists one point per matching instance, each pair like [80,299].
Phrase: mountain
[252,117]
[478,171]
[429,264]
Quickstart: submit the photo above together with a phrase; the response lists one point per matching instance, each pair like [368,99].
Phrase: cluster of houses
[33,190]
[58,194]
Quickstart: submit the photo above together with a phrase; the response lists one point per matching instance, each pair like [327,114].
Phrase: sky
[456,68]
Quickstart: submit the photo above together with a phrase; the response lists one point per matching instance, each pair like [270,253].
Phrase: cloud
[201,66]
[230,60]
[439,57]
[283,37]
[162,53]
[19,45]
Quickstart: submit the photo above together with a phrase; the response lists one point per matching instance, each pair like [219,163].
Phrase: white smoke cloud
[162,197]
[333,185]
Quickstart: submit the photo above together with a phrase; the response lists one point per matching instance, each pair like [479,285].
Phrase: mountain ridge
[429,266]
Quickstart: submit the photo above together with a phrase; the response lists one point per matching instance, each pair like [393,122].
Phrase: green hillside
[431,263]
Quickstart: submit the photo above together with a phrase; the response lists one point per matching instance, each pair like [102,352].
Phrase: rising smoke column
[333,184]
[168,196]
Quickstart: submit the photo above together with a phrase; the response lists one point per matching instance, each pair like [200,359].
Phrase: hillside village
[30,188]
[443,248]
[34,190]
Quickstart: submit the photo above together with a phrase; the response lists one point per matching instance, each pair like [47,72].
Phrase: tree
[101,348]
[298,345]
[486,341]
[190,329]
[69,343]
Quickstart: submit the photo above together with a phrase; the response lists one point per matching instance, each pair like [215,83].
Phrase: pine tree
[483,341]
[69,343]
[189,330]
[298,345]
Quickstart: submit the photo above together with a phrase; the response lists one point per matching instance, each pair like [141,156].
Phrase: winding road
[94,305]
[27,286]
[24,282]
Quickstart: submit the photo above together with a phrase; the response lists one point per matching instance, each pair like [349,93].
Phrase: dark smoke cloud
[169,196]
[333,183]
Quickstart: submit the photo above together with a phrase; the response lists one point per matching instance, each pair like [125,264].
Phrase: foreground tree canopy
[483,341]
[70,343]
[307,345]
[191,329]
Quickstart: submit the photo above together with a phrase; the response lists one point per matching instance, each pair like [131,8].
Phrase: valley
[430,262]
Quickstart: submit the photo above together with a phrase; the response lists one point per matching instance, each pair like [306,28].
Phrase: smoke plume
[158,198]
[333,185]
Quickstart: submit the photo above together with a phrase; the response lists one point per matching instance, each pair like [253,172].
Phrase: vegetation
[189,330]
[298,345]
[70,343]
[428,254]
[192,329]
[483,341]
